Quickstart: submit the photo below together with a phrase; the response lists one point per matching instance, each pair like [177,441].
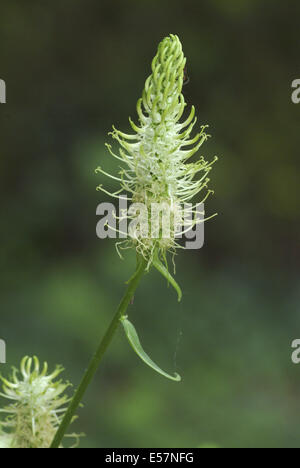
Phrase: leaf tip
[177,377]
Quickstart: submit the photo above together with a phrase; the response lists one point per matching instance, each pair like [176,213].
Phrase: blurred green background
[74,68]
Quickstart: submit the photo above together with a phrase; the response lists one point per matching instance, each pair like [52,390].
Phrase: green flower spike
[156,157]
[158,170]
[37,406]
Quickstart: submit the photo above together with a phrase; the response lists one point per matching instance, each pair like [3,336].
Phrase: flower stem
[94,363]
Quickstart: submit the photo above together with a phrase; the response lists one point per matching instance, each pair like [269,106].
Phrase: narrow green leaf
[137,347]
[165,272]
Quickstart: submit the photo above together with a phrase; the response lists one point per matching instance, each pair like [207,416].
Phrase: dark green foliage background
[73,68]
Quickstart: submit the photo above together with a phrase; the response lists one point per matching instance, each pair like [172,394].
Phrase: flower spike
[37,405]
[158,171]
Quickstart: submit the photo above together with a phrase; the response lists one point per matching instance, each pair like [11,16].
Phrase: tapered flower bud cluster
[157,156]
[37,405]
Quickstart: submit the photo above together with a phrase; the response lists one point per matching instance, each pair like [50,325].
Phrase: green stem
[94,363]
